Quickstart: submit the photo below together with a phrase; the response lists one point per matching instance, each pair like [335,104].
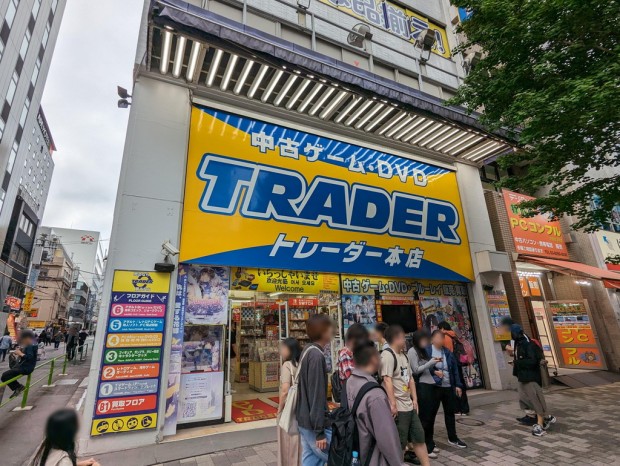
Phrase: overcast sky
[94,53]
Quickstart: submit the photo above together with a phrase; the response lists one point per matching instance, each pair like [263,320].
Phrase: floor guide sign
[130,372]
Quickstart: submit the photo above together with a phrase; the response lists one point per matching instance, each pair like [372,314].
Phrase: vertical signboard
[497,303]
[578,344]
[130,374]
[539,235]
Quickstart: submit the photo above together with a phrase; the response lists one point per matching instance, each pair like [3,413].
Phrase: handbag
[288,418]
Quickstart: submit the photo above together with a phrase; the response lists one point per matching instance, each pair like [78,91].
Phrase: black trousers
[71,352]
[8,375]
[462,403]
[430,397]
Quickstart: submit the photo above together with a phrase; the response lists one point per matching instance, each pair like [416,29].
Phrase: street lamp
[123,102]
[303,4]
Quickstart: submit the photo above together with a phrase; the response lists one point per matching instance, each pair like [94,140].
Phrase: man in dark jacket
[527,357]
[312,396]
[27,363]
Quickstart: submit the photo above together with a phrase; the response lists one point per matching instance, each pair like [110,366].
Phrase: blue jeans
[311,455]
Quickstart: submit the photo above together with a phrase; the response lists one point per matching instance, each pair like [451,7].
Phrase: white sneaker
[433,455]
[436,450]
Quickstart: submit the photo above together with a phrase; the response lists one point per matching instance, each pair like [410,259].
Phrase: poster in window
[207,295]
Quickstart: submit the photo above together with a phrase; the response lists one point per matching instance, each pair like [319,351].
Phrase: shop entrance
[258,322]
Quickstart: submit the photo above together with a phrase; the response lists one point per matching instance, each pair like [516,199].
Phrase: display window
[229,321]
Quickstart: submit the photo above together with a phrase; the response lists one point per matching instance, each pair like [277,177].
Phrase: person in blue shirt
[5,346]
[28,354]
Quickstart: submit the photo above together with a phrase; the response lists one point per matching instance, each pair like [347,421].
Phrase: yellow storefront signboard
[263,195]
[110,425]
[284,281]
[27,303]
[131,281]
[359,284]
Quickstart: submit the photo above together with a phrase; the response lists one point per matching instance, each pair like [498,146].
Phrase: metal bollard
[50,377]
[64,366]
[26,390]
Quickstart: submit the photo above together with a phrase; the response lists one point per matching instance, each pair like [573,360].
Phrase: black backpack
[336,386]
[345,436]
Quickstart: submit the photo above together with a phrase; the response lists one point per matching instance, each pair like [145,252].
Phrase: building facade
[298,158]
[86,253]
[28,34]
[52,296]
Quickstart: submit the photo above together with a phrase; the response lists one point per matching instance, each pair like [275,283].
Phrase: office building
[28,33]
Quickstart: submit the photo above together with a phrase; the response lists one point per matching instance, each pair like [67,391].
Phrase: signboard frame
[123,412]
[559,346]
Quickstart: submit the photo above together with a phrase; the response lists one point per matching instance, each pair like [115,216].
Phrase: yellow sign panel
[111,425]
[264,195]
[283,281]
[403,22]
[36,323]
[27,303]
[131,340]
[133,281]
[401,287]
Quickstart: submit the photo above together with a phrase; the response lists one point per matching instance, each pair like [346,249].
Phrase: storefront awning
[610,279]
[215,54]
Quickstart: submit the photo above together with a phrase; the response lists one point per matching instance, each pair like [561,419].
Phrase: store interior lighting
[528,274]
[583,282]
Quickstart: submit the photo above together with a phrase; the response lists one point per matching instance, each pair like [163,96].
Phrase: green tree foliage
[550,74]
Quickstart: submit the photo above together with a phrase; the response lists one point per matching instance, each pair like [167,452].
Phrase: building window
[20,256]
[22,118]
[35,8]
[1,48]
[2,196]
[2,124]
[12,157]
[10,93]
[54,5]
[46,35]
[35,73]
[25,43]
[26,225]
[10,13]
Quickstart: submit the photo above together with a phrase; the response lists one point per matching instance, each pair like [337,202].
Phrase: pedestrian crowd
[387,394]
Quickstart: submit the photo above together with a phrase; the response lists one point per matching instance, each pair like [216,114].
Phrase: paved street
[587,433]
[22,432]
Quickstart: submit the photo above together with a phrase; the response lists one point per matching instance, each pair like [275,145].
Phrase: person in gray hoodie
[375,423]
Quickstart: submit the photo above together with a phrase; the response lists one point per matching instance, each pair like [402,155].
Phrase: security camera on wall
[167,266]
[170,248]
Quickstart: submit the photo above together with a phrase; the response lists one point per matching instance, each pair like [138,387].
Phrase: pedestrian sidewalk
[21,432]
[586,433]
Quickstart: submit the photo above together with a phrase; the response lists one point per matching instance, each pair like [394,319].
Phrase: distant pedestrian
[27,354]
[378,436]
[58,448]
[527,357]
[71,343]
[5,344]
[289,448]
[312,409]
[82,336]
[401,391]
[58,339]
[443,392]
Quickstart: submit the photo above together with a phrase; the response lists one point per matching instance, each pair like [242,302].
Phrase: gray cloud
[95,52]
